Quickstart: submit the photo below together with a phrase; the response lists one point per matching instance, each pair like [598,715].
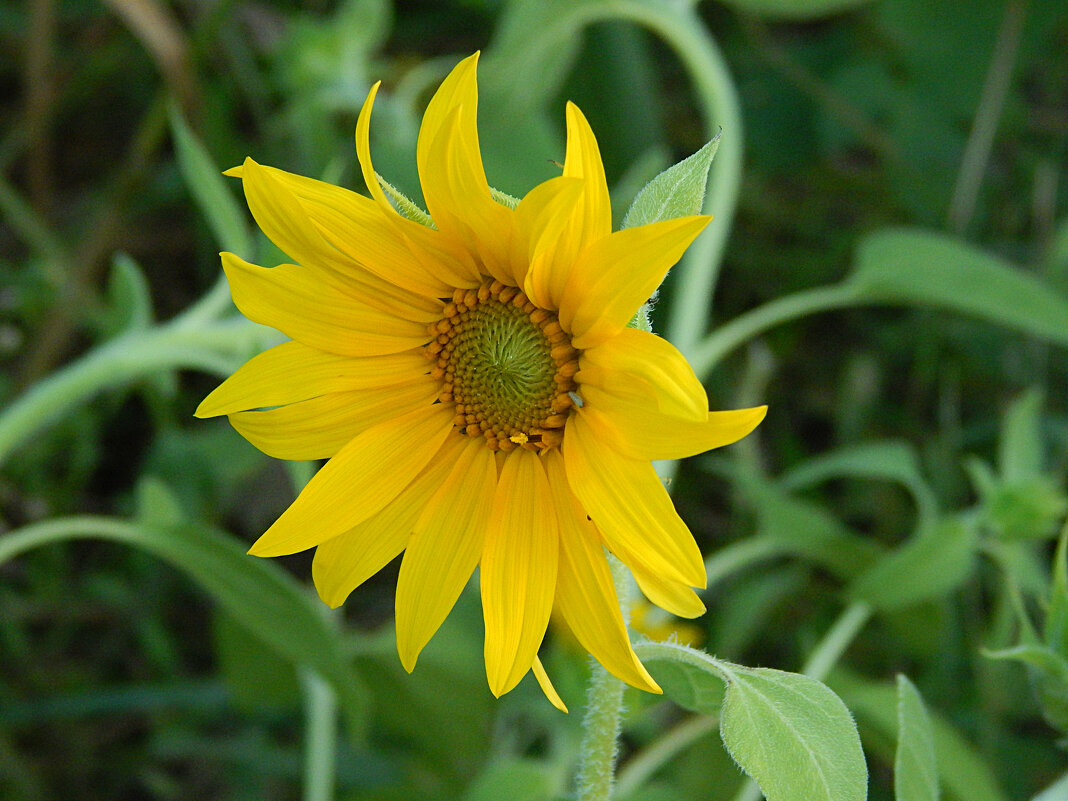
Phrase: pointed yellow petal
[425,244]
[458,90]
[629,505]
[615,275]
[357,227]
[583,161]
[636,361]
[313,310]
[646,434]
[459,199]
[368,473]
[445,547]
[547,686]
[518,573]
[542,218]
[671,596]
[293,372]
[585,592]
[343,563]
[320,427]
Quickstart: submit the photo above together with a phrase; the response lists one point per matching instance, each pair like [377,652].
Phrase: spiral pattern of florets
[506,365]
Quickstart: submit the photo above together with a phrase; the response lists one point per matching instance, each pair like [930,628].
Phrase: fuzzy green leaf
[679,191]
[915,766]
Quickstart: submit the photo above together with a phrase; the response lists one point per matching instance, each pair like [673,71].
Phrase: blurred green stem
[186,342]
[320,749]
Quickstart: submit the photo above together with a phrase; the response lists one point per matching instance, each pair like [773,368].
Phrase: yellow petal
[445,547]
[293,372]
[542,218]
[312,310]
[356,226]
[365,475]
[671,596]
[459,199]
[639,432]
[518,573]
[615,275]
[622,363]
[629,505]
[547,686]
[585,593]
[425,244]
[320,427]
[593,218]
[344,562]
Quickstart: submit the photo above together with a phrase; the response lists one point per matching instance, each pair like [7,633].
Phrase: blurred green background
[937,409]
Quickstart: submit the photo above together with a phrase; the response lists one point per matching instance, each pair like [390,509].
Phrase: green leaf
[902,265]
[1020,449]
[795,9]
[1056,628]
[922,569]
[964,773]
[789,732]
[129,299]
[212,195]
[1049,672]
[793,736]
[515,779]
[890,461]
[679,191]
[255,592]
[255,674]
[915,766]
[693,688]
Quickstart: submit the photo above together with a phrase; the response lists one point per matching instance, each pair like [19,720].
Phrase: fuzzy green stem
[604,716]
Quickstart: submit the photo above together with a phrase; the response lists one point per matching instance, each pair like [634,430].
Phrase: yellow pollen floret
[506,366]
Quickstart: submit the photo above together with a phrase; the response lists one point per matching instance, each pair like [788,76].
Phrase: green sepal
[404,205]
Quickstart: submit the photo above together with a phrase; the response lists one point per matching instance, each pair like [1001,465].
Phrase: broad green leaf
[915,766]
[890,461]
[794,9]
[255,592]
[789,732]
[924,568]
[922,268]
[690,686]
[793,736]
[209,189]
[679,191]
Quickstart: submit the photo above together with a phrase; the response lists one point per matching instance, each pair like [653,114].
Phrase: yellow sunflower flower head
[477,393]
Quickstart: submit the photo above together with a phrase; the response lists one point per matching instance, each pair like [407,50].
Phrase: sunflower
[477,392]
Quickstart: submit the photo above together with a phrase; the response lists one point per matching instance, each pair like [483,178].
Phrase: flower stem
[604,714]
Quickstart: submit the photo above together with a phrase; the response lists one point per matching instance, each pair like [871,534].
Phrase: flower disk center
[506,365]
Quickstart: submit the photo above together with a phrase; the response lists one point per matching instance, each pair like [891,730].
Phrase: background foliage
[893,286]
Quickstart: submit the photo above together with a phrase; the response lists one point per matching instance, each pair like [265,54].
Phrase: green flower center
[506,365]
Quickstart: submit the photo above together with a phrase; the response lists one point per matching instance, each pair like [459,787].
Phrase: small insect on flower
[477,393]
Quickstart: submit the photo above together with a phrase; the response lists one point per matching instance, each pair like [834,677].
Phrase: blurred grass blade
[795,9]
[923,268]
[915,766]
[255,592]
[205,181]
